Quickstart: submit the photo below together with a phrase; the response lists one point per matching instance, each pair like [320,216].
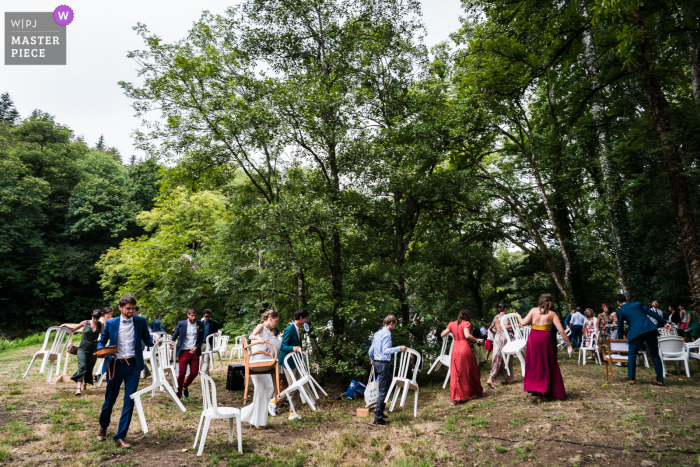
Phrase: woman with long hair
[465,377]
[256,413]
[498,366]
[542,374]
[606,326]
[92,329]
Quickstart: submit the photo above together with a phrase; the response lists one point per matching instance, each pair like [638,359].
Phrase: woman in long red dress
[542,375]
[465,377]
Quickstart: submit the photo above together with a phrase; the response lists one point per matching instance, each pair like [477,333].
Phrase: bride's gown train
[256,413]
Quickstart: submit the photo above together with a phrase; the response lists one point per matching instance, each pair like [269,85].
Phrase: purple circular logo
[63,15]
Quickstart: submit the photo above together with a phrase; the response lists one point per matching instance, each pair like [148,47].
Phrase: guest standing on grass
[641,330]
[498,366]
[542,374]
[126,333]
[189,336]
[465,377]
[380,354]
[86,351]
[576,324]
[605,326]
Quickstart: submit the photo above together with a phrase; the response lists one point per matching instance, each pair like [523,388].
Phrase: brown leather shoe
[101,434]
[631,382]
[122,444]
[656,383]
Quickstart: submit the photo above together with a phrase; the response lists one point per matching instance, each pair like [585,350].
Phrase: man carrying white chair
[380,354]
[126,333]
[210,327]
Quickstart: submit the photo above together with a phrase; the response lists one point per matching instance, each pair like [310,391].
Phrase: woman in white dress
[256,413]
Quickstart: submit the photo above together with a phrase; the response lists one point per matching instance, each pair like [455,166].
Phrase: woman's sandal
[452,403]
[78,392]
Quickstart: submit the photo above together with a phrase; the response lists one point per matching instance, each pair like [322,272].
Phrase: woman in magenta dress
[465,377]
[542,375]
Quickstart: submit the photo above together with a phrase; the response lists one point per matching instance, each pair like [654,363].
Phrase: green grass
[5,455]
[499,448]
[376,456]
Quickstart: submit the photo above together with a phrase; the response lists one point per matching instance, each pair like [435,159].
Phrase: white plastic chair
[693,345]
[444,358]
[673,332]
[561,343]
[301,360]
[212,411]
[158,383]
[212,348]
[401,379]
[592,347]
[52,354]
[223,344]
[166,362]
[516,345]
[237,348]
[672,348]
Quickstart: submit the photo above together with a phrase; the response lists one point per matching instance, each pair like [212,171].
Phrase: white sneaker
[294,416]
[272,409]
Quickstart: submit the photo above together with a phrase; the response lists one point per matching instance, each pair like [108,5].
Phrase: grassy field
[45,424]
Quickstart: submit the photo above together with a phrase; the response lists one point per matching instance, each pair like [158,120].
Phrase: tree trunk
[336,266]
[658,105]
[631,282]
[694,62]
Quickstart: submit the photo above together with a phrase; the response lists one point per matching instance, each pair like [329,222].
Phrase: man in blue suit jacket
[641,330]
[189,335]
[126,333]
[291,342]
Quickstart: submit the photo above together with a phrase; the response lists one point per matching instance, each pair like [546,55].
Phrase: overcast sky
[84,93]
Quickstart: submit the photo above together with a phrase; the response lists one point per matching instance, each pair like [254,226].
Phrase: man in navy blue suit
[126,332]
[641,330]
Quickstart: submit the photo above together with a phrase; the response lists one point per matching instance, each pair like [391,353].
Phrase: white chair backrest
[212,342]
[159,354]
[209,394]
[160,335]
[301,364]
[405,363]
[223,343]
[671,345]
[672,332]
[512,320]
[619,347]
[239,341]
[60,339]
[446,343]
[526,332]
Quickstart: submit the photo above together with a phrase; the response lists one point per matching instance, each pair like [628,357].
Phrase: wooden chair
[617,352]
[261,368]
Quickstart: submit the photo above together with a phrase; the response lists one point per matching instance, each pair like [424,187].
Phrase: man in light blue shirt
[380,353]
[576,324]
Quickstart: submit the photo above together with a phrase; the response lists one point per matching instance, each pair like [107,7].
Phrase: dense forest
[317,155]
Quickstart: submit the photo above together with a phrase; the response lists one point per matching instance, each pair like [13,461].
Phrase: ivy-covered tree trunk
[680,193]
[629,275]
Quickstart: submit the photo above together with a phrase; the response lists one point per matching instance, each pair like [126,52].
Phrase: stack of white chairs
[517,344]
[673,332]
[212,348]
[401,379]
[672,348]
[159,382]
[445,357]
[212,411]
[592,347]
[52,353]
[237,348]
[301,361]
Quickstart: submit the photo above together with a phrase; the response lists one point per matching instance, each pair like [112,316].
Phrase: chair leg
[404,396]
[245,392]
[34,358]
[397,391]
[204,436]
[230,430]
[58,364]
[506,358]
[221,361]
[199,429]
[291,404]
[447,378]
[142,417]
[522,363]
[687,368]
[388,393]
[44,361]
[240,438]
[48,373]
[415,404]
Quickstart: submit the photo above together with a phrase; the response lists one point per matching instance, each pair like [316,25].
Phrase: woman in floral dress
[588,328]
[606,326]
[498,367]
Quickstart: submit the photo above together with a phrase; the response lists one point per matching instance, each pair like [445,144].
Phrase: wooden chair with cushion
[617,352]
[266,367]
